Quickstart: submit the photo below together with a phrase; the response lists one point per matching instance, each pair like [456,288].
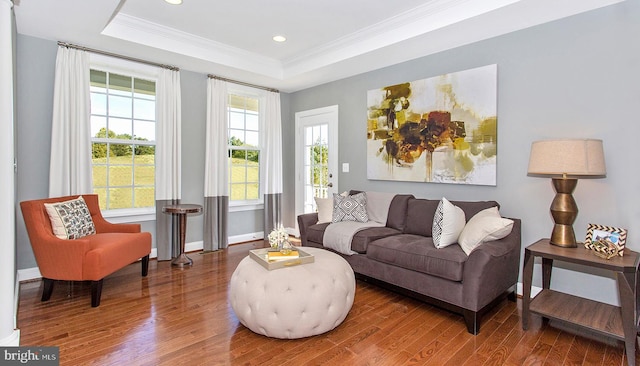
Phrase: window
[123,125]
[244,149]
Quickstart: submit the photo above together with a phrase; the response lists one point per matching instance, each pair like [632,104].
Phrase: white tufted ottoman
[293,302]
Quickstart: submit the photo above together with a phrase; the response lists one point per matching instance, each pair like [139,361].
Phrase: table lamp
[565,161]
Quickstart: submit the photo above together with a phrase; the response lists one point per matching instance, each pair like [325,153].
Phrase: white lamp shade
[567,157]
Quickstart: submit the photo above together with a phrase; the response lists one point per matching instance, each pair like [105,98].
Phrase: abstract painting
[441,129]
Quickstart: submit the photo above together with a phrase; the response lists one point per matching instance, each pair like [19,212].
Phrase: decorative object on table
[280,256]
[441,129]
[606,241]
[277,237]
[285,247]
[565,161]
[262,256]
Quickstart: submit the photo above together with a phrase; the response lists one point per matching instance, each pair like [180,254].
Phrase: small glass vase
[285,247]
[274,247]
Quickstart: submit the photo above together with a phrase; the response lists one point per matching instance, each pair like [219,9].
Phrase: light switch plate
[345,167]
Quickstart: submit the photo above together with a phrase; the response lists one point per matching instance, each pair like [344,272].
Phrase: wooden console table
[604,319]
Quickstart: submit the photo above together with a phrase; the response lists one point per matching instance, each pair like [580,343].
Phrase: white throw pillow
[448,223]
[325,209]
[70,219]
[486,225]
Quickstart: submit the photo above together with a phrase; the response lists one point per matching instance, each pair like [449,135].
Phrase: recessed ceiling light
[279,38]
[174,2]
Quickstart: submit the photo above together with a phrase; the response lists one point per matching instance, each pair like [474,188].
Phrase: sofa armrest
[491,269]
[304,221]
[104,226]
[59,258]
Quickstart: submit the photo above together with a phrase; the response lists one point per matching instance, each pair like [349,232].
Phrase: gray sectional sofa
[401,256]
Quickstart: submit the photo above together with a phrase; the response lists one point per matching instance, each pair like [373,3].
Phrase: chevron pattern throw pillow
[350,208]
[448,223]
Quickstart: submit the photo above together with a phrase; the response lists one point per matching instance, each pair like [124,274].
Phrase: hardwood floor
[182,317]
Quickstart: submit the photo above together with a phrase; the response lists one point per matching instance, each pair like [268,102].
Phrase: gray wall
[35,77]
[36,63]
[575,78]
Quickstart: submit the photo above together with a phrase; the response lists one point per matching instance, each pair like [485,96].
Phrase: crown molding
[409,24]
[415,22]
[432,27]
[141,31]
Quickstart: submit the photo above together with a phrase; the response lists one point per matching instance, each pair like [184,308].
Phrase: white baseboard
[535,290]
[193,246]
[12,340]
[246,237]
[28,274]
[293,232]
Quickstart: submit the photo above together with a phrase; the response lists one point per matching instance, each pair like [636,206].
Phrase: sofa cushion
[420,213]
[350,208]
[362,238]
[418,253]
[471,208]
[397,217]
[316,232]
[378,204]
[448,223]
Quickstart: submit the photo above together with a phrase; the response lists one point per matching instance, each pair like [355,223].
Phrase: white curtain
[168,158]
[272,163]
[216,188]
[70,164]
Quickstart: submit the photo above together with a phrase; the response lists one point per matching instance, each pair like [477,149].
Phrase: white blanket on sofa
[338,235]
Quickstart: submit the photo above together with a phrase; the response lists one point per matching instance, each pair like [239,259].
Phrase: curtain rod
[69,45]
[243,83]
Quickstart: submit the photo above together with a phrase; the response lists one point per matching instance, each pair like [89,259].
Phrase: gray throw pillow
[350,208]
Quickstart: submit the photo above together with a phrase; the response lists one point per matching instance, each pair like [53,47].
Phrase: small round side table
[182,210]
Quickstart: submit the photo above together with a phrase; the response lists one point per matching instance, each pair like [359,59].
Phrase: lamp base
[564,211]
[563,236]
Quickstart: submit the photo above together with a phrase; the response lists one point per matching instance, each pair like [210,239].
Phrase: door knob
[330,185]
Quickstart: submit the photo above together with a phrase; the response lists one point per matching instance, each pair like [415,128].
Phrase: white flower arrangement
[276,236]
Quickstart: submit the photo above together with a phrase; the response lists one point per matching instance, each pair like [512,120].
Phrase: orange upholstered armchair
[88,258]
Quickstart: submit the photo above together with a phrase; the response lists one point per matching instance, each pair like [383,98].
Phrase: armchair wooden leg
[96,292]
[48,289]
[145,265]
